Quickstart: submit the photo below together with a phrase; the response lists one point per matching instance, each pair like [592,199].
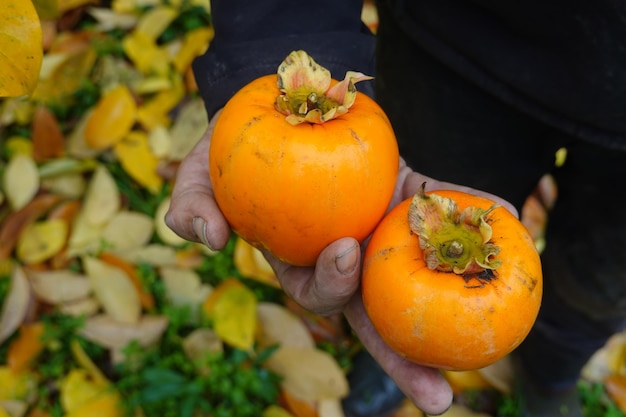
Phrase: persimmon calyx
[306,92]
[452,240]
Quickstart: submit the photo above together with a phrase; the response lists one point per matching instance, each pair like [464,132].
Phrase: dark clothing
[482,93]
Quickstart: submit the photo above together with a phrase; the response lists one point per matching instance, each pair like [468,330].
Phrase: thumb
[327,288]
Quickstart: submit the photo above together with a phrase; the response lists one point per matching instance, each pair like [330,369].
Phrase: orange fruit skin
[440,319]
[295,189]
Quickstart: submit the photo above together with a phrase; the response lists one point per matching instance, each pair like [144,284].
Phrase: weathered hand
[332,286]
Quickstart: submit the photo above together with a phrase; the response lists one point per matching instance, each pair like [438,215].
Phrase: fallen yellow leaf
[155,21]
[147,56]
[250,263]
[62,73]
[42,240]
[15,385]
[22,48]
[138,161]
[195,43]
[112,118]
[232,309]
[79,390]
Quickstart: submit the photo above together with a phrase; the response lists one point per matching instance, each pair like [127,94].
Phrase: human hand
[332,286]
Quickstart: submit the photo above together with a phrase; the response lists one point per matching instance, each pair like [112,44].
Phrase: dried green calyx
[452,240]
[306,92]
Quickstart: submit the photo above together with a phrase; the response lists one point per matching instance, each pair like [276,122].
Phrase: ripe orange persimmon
[298,160]
[451,280]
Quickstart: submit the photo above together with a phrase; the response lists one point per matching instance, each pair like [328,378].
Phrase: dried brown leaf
[48,139]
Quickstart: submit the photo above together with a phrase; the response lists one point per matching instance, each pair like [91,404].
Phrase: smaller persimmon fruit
[298,160]
[451,280]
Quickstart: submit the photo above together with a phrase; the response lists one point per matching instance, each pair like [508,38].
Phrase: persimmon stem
[452,240]
[307,95]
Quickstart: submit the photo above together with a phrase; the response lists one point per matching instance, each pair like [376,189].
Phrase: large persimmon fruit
[451,280]
[298,160]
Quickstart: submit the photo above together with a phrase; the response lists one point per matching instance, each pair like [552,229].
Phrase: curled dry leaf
[184,288]
[167,235]
[190,125]
[20,180]
[15,305]
[103,199]
[127,230]
[42,240]
[107,332]
[280,326]
[114,290]
[59,286]
[308,374]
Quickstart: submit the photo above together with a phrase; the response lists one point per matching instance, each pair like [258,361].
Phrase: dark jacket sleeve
[253,37]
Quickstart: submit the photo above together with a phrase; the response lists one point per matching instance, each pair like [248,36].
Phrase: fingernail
[345,262]
[199,228]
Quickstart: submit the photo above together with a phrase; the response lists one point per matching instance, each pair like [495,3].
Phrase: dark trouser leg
[584,264]
[450,129]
